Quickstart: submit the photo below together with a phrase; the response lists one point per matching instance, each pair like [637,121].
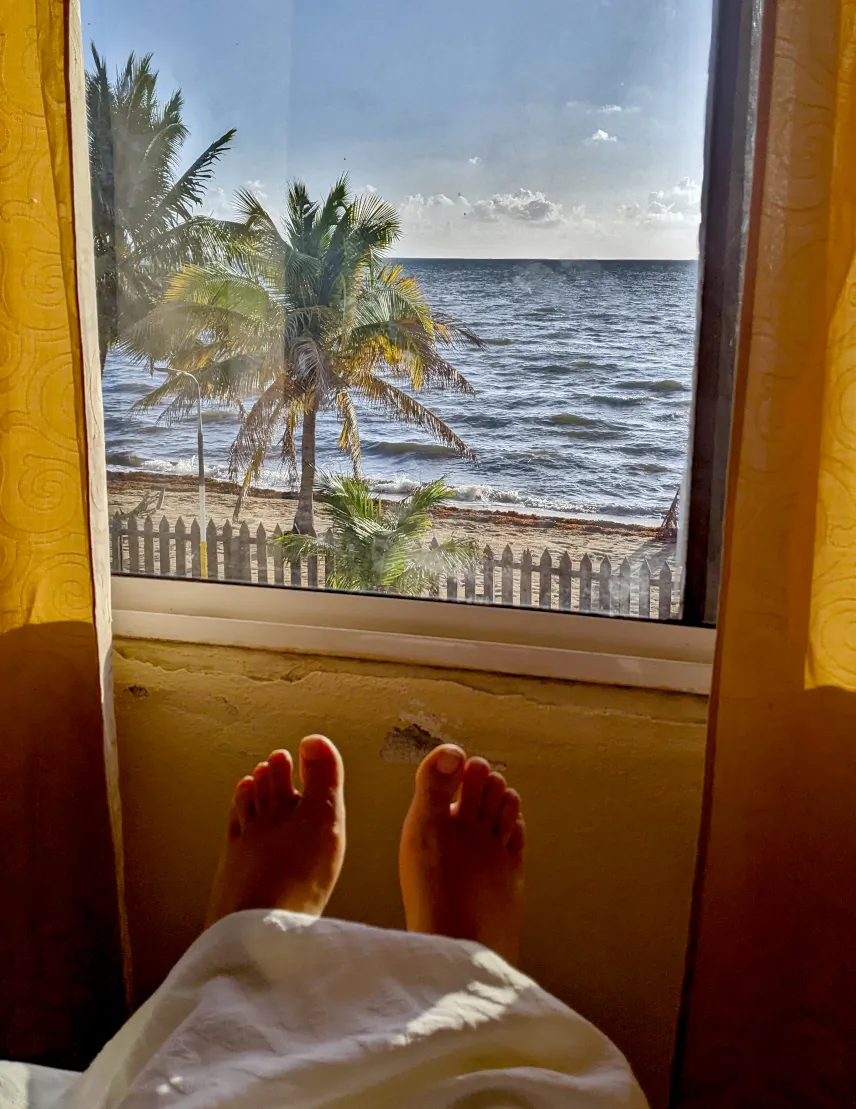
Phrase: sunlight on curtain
[60,977]
[772,978]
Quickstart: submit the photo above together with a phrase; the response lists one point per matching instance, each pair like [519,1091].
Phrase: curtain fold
[770,1012]
[61,970]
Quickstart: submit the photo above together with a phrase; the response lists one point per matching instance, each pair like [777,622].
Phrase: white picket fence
[235,554]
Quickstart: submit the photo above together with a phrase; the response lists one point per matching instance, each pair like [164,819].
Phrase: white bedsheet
[271,1010]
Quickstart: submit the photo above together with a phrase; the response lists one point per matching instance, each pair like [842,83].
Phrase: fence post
[296,572]
[545,590]
[488,566]
[624,588]
[133,545]
[645,590]
[180,549]
[277,557]
[666,592]
[261,555]
[526,579]
[195,540]
[585,584]
[565,579]
[329,560]
[508,576]
[434,563]
[115,543]
[312,572]
[213,562]
[228,568]
[244,571]
[163,546]
[148,546]
[605,585]
[451,587]
[470,583]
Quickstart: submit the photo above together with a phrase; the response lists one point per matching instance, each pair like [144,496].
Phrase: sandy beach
[180,497]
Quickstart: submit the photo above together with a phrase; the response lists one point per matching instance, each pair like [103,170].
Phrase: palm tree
[376,547]
[309,317]
[143,213]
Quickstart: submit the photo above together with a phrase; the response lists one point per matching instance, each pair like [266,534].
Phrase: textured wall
[611,781]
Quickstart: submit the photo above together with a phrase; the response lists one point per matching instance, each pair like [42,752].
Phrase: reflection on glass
[438,292]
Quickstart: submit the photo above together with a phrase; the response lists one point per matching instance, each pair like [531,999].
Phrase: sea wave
[420,450]
[666,385]
[619,402]
[487,494]
[592,364]
[403,485]
[497,342]
[127,460]
[571,419]
[465,495]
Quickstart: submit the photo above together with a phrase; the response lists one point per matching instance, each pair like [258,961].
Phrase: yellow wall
[611,781]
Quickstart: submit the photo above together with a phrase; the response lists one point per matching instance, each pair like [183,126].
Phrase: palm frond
[382,395]
[189,190]
[349,439]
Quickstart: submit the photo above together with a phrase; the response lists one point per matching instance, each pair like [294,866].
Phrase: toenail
[450,762]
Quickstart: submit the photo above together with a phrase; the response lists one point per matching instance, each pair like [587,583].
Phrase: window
[403,299]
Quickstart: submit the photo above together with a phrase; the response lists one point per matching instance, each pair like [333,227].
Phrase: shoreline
[492,527]
[120,479]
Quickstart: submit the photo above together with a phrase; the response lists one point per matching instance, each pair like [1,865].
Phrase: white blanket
[271,1010]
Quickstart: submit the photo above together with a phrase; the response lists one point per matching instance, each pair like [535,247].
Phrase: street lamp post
[203,522]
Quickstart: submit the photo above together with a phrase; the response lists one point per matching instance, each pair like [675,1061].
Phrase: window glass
[416,284]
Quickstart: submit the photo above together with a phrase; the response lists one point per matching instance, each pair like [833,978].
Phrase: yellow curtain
[770,1018]
[61,988]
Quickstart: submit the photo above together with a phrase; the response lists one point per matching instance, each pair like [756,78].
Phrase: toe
[492,796]
[476,773]
[438,779]
[234,819]
[517,838]
[244,801]
[261,778]
[321,769]
[283,793]
[509,811]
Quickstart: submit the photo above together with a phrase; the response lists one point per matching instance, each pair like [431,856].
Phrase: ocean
[582,403]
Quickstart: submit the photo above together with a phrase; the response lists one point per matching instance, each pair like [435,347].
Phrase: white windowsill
[526,642]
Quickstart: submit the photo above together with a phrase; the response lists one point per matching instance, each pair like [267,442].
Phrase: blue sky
[544,128]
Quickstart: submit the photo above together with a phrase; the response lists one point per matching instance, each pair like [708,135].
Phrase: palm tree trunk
[304,521]
[102,350]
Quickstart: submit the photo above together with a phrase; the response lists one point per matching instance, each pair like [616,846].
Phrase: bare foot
[461,862]
[283,849]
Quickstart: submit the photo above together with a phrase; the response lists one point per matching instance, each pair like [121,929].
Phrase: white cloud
[257,187]
[675,207]
[369,189]
[218,204]
[418,211]
[600,136]
[476,161]
[586,108]
[522,205]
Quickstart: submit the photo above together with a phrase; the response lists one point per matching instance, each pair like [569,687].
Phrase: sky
[497,128]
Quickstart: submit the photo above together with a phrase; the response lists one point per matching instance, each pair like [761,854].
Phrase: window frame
[417,631]
[674,656]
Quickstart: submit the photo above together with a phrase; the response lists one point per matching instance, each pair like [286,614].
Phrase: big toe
[438,779]
[321,769]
